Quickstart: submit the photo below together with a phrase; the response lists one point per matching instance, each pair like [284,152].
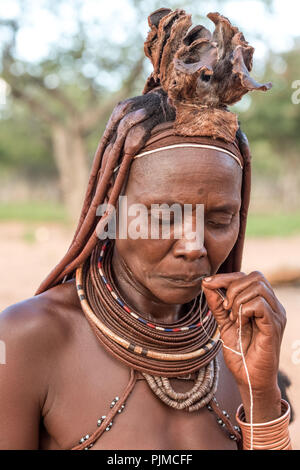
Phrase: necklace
[133,313]
[124,335]
[158,353]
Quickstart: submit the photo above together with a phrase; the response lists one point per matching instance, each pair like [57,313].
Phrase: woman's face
[166,268]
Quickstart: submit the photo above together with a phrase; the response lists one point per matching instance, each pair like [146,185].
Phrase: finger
[262,287]
[260,274]
[261,312]
[221,280]
[215,304]
[277,306]
[237,296]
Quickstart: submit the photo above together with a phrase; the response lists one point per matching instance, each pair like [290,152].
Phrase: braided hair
[195,76]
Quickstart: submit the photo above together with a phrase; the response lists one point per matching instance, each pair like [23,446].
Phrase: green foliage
[273,225]
[275,119]
[25,145]
[33,211]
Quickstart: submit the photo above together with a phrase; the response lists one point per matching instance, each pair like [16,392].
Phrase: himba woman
[156,343]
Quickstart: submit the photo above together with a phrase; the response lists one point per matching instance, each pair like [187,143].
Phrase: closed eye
[219,225]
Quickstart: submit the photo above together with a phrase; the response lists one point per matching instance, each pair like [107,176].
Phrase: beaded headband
[203,146]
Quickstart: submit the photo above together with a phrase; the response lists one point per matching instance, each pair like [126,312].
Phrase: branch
[91,117]
[35,105]
[57,95]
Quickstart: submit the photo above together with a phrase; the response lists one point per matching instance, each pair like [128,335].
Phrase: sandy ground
[28,252]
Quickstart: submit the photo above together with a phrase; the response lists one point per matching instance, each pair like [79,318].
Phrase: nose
[190,250]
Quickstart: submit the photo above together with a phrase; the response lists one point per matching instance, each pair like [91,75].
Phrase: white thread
[248,378]
[227,347]
[244,363]
[220,339]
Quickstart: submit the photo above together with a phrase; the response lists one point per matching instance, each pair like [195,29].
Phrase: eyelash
[220,226]
[214,225]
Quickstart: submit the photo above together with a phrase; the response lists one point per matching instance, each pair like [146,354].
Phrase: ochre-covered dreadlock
[195,76]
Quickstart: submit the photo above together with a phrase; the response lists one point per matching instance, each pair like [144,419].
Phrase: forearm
[266,404]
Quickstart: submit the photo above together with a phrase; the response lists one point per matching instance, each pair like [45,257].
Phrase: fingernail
[207,279]
[225,303]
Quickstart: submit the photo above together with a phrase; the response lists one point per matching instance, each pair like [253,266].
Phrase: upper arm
[23,377]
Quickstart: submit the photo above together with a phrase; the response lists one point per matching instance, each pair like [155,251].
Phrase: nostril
[204,77]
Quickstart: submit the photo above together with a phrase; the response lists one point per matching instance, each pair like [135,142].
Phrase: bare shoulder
[34,334]
[40,324]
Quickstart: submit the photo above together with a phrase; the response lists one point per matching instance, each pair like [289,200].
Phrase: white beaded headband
[204,146]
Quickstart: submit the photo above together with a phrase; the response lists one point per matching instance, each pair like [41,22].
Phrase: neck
[139,297]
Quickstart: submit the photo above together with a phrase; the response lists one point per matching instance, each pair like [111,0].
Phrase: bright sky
[278,29]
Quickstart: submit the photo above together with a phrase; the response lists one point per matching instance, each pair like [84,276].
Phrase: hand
[263,321]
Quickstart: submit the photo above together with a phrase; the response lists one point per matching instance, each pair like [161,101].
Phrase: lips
[185,281]
[187,278]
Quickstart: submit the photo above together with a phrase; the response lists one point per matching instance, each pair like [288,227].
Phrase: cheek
[219,243]
[142,256]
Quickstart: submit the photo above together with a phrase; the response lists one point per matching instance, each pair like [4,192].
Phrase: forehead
[189,173]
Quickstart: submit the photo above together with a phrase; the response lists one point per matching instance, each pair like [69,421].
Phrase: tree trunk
[72,163]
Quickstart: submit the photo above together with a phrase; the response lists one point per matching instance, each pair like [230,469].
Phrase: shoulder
[40,325]
[33,336]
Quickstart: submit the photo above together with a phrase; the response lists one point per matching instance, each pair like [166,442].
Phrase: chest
[84,389]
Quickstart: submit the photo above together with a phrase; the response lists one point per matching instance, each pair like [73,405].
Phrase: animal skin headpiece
[202,73]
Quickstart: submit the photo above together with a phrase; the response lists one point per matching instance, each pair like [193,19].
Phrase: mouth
[180,281]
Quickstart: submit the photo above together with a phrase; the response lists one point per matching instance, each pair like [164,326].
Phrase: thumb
[215,305]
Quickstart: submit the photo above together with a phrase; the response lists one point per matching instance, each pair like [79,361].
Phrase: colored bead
[88,447]
[134,315]
[121,409]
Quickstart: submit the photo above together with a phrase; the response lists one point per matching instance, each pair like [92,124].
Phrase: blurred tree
[62,91]
[272,126]
[276,118]
[75,85]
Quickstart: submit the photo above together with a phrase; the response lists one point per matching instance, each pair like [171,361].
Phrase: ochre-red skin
[59,380]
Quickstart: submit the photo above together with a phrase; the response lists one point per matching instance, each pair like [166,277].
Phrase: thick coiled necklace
[159,351]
